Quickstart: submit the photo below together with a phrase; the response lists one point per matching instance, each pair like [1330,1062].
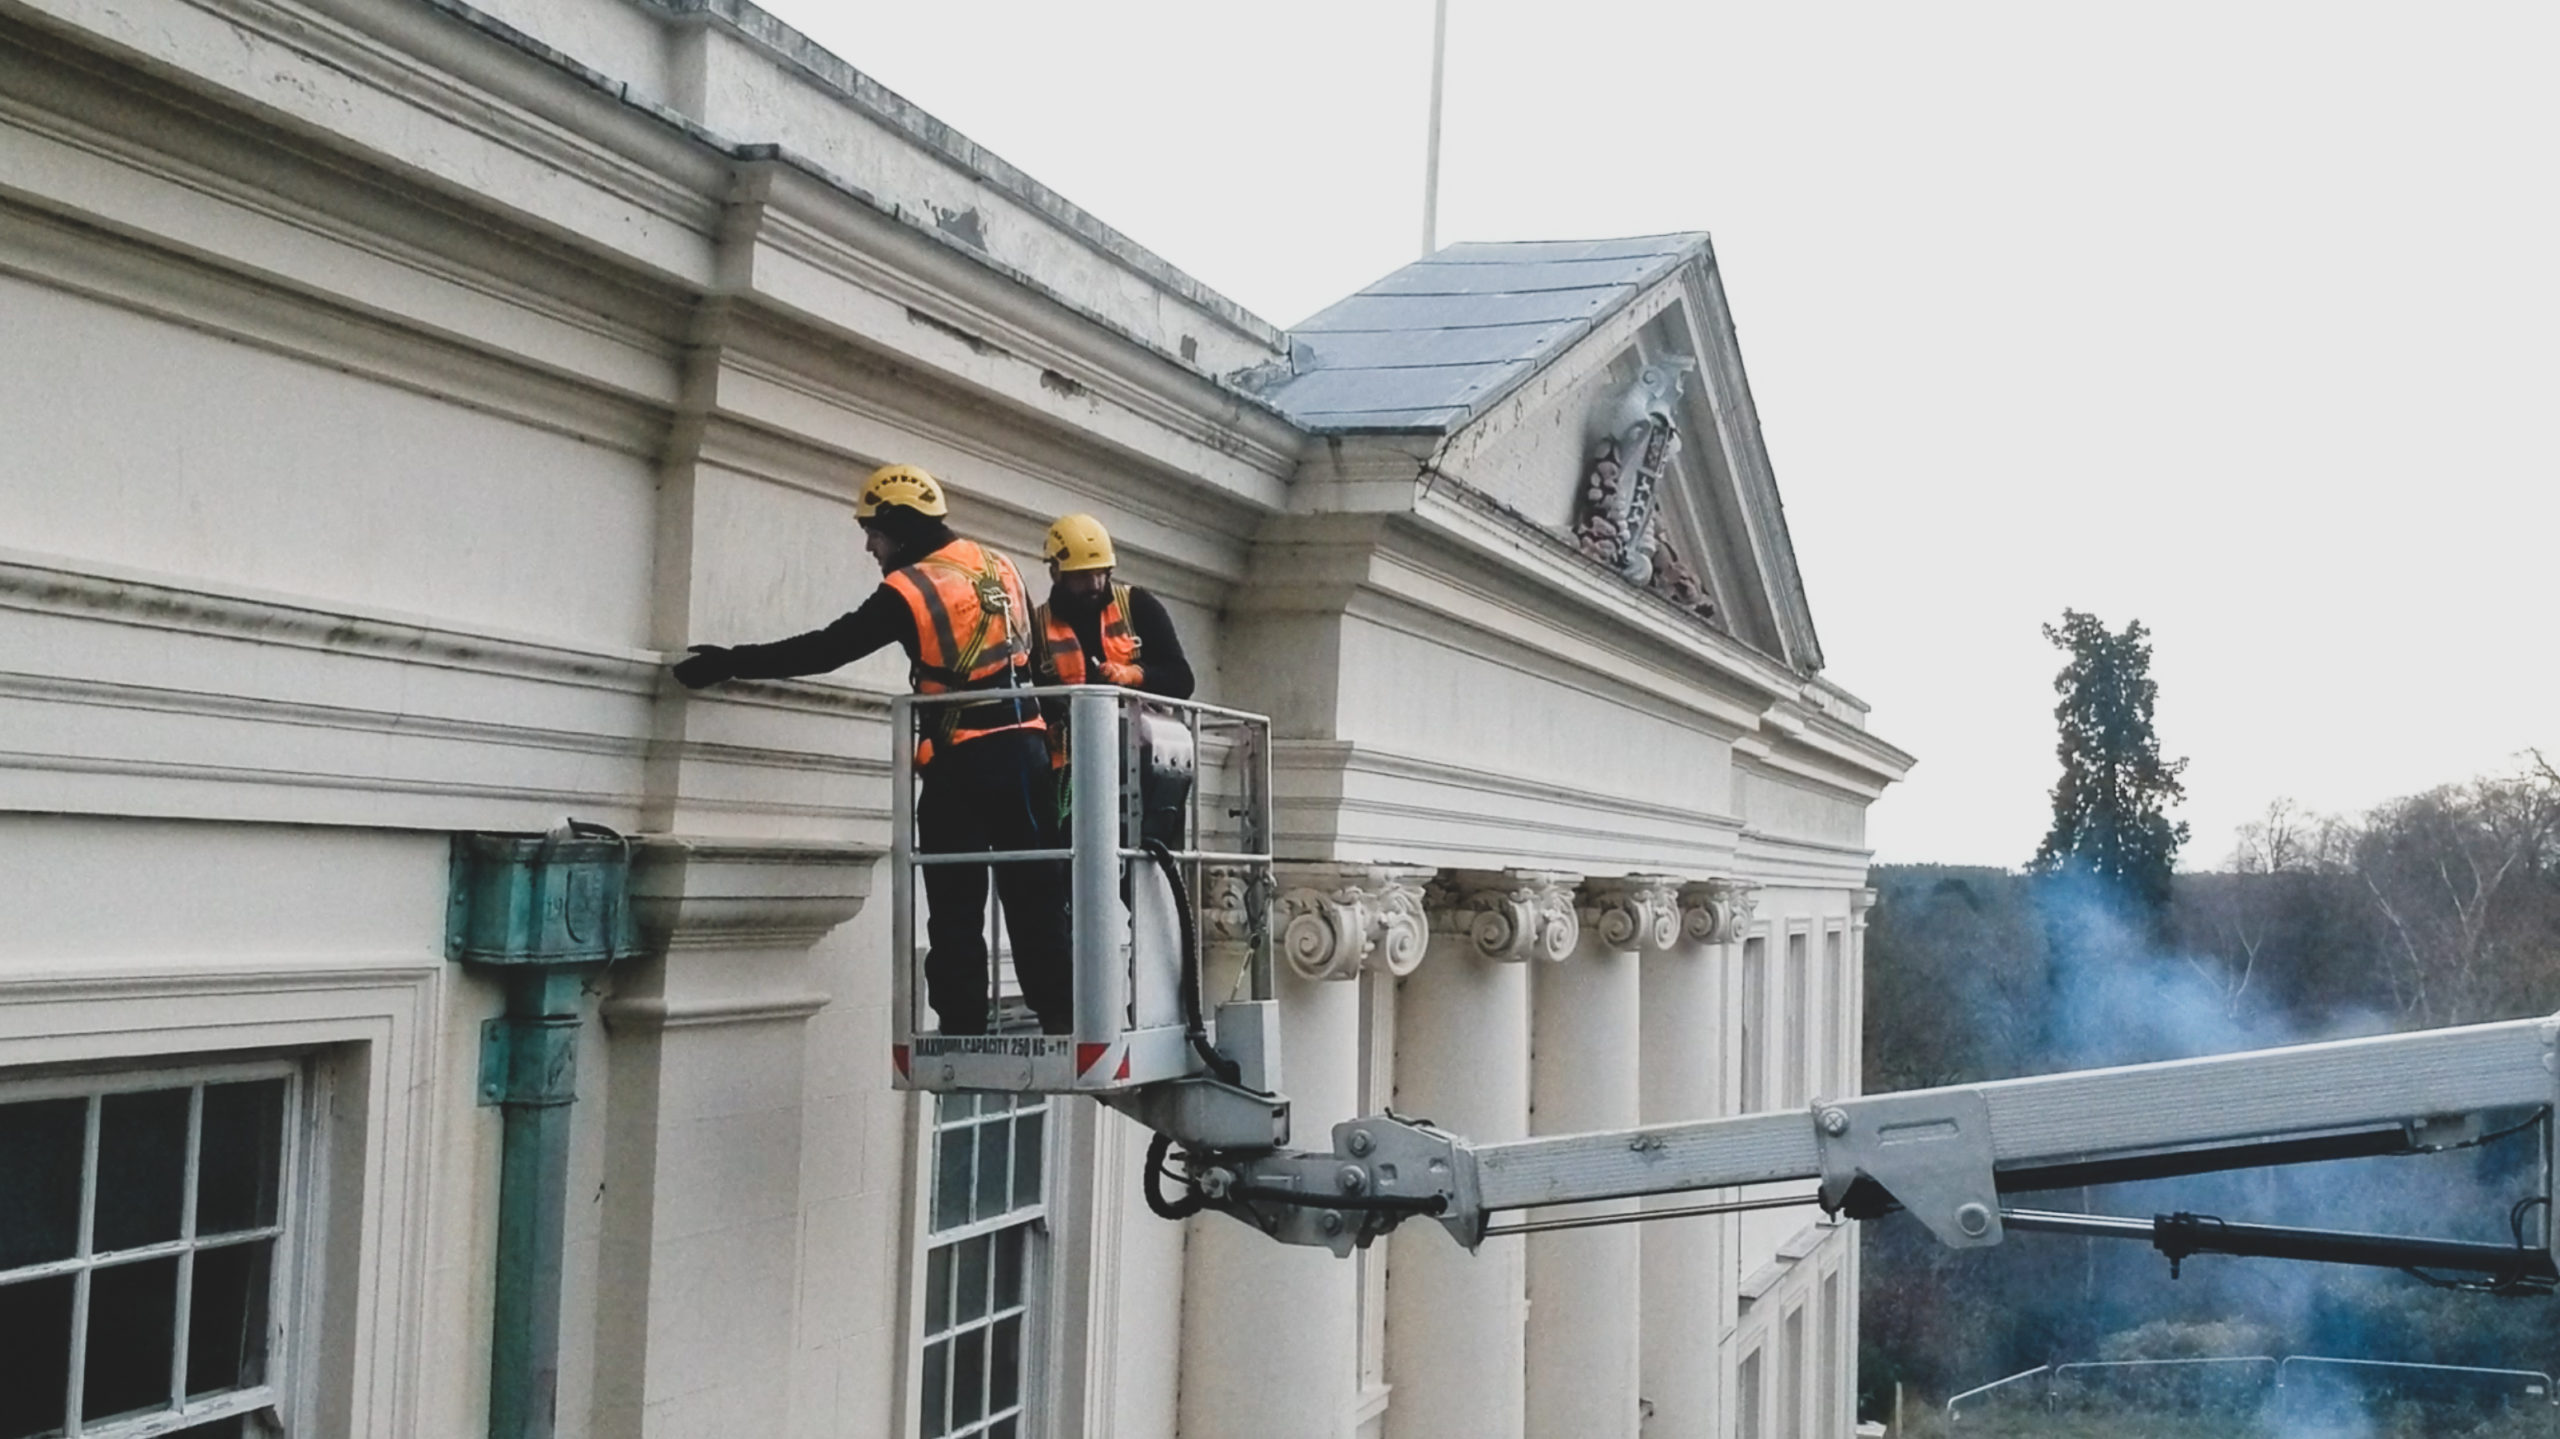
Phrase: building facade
[394,385]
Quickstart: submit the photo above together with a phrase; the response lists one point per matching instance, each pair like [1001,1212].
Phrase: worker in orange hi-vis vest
[1095,630]
[959,611]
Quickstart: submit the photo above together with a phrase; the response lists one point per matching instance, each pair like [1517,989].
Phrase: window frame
[1841,1046]
[1751,1019]
[1795,1039]
[270,1403]
[1035,1416]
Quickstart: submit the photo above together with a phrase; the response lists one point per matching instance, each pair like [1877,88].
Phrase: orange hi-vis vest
[973,632]
[1061,657]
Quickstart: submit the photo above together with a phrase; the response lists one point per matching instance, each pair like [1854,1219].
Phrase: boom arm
[1946,1155]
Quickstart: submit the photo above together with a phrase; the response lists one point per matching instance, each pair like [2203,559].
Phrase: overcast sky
[2239,319]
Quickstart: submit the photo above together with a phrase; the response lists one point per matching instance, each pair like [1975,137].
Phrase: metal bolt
[1353,1178]
[1974,1220]
[1360,1142]
[1330,1222]
[1835,1121]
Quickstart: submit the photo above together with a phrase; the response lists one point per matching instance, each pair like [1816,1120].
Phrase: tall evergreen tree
[2110,808]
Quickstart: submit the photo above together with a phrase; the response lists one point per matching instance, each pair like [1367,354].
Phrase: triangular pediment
[1594,388]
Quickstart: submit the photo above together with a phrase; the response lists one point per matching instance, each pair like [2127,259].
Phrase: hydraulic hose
[1181,1206]
[1194,1026]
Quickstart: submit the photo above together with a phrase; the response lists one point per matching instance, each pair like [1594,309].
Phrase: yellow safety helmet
[1078,542]
[900,485]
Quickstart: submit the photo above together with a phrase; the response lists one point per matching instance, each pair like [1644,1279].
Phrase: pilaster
[696,1316]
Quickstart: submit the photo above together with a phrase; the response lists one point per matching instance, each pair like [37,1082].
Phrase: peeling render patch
[1052,381]
[884,105]
[978,344]
[894,110]
[961,225]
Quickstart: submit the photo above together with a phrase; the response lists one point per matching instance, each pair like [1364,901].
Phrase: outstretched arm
[882,620]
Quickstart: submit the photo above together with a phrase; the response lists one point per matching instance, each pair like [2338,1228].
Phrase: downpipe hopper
[539,913]
[1928,1151]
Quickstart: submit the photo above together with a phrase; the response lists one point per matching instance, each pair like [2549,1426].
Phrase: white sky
[2239,318]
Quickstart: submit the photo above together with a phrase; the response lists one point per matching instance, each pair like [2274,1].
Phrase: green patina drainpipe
[543,912]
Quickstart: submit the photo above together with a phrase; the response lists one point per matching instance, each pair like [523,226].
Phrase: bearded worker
[959,611]
[1096,631]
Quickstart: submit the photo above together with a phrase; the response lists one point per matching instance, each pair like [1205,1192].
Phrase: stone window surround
[358,1127]
[283,1233]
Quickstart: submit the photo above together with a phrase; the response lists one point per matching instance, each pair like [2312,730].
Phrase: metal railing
[2530,1383]
[1977,1392]
[2539,1389]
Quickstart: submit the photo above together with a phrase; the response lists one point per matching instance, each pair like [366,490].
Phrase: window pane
[968,1377]
[35,1351]
[242,1157]
[231,1428]
[1001,1429]
[952,1150]
[1009,1244]
[993,1141]
[937,1291]
[142,1168]
[1026,1160]
[936,1357]
[227,1319]
[133,1311]
[1005,1382]
[971,1301]
[40,1148]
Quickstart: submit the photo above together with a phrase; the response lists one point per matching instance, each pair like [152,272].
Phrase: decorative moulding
[1226,904]
[1715,911]
[1636,911]
[1338,919]
[1512,914]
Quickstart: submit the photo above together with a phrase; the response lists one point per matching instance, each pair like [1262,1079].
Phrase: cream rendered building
[390,387]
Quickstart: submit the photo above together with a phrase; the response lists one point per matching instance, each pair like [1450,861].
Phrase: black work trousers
[993,793]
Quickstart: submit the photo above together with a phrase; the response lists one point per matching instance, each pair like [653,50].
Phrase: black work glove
[705,665]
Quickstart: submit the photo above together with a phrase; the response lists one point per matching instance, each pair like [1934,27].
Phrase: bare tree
[2443,871]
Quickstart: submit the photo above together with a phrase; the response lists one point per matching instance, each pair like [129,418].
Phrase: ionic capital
[1715,911]
[1635,911]
[1860,901]
[1226,904]
[1338,919]
[1511,914]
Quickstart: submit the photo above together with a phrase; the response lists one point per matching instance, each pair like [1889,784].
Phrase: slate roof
[1432,345]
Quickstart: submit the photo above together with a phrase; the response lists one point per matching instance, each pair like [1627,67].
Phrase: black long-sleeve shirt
[884,619]
[881,621]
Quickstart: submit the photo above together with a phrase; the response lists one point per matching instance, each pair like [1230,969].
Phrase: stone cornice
[1338,919]
[1508,914]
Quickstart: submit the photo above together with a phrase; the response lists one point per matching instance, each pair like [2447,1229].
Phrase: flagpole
[1431,160]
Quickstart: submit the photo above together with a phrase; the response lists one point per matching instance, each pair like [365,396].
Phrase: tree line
[2434,909]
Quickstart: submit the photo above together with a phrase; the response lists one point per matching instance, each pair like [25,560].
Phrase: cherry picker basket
[1165,846]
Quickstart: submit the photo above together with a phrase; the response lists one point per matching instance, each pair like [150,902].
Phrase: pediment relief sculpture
[1634,436]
